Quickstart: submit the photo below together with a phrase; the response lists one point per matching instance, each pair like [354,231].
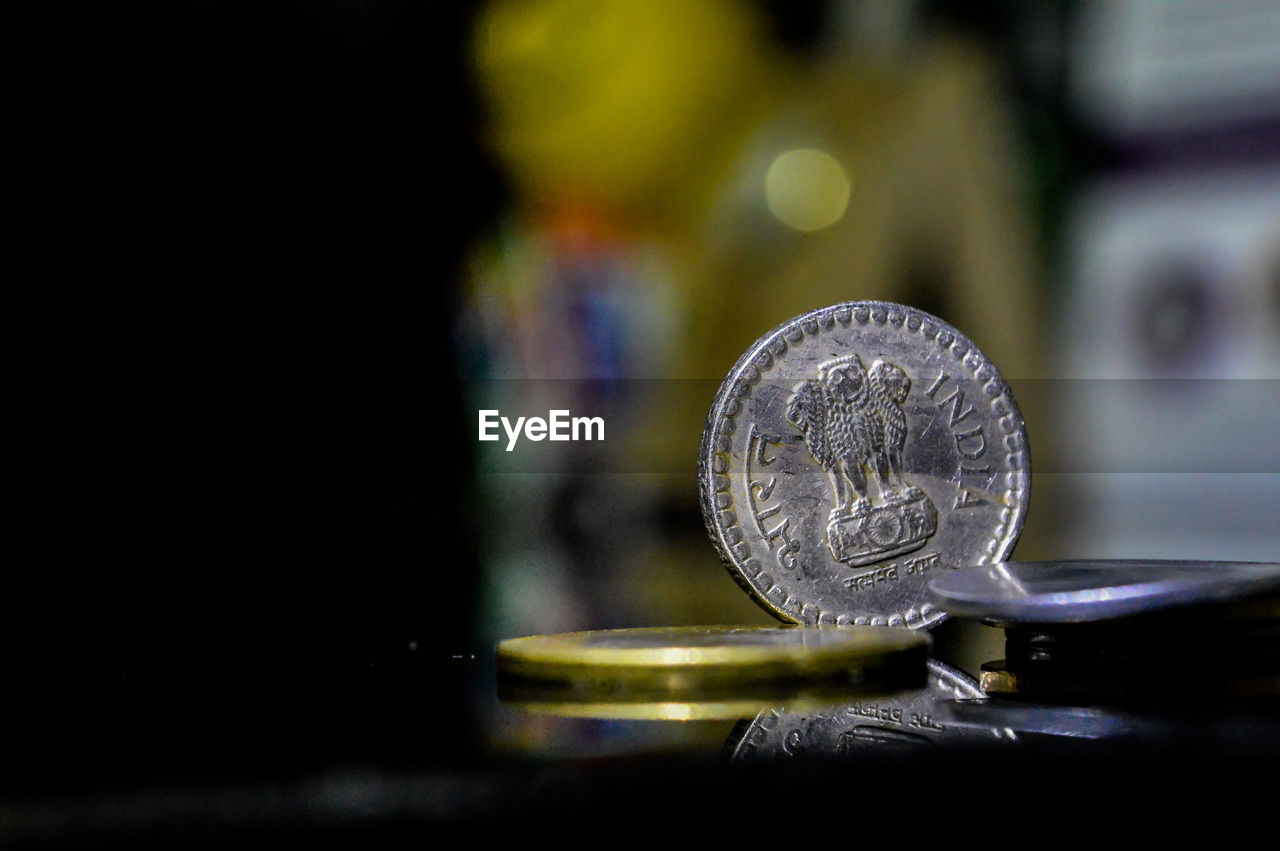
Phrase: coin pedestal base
[873,533]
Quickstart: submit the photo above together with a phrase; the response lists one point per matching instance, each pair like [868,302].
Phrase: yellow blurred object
[807,189]
[930,222]
[619,102]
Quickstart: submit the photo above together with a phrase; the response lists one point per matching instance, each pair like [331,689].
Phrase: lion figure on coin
[840,426]
[855,429]
[889,388]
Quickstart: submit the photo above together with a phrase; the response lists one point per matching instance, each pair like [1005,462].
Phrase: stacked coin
[1115,628]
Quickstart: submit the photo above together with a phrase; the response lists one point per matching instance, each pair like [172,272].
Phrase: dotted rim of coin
[713,454]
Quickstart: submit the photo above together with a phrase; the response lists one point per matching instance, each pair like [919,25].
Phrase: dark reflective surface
[432,749]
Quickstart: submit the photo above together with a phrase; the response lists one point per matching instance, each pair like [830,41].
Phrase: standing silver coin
[851,455]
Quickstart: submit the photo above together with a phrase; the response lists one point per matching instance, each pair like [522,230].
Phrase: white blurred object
[1169,333]
[1150,66]
[1174,277]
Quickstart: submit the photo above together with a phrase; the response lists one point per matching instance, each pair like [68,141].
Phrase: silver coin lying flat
[1080,591]
[852,454]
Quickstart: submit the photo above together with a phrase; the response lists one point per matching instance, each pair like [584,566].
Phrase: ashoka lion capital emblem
[855,429]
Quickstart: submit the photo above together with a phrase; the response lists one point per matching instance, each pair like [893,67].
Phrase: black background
[261,211]
[246,545]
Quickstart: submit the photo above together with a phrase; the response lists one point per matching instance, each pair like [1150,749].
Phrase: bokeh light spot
[807,189]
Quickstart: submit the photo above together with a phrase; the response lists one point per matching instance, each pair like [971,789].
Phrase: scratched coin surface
[853,454]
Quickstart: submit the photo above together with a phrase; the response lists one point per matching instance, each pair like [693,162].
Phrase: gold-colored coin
[656,710]
[710,659]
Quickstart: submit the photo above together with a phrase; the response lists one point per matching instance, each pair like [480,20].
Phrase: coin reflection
[907,722]
[632,703]
[1211,724]
[586,719]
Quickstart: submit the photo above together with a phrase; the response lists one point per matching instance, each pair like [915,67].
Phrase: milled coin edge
[715,497]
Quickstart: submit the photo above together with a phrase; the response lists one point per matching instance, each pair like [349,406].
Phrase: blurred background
[1090,191]
[317,238]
